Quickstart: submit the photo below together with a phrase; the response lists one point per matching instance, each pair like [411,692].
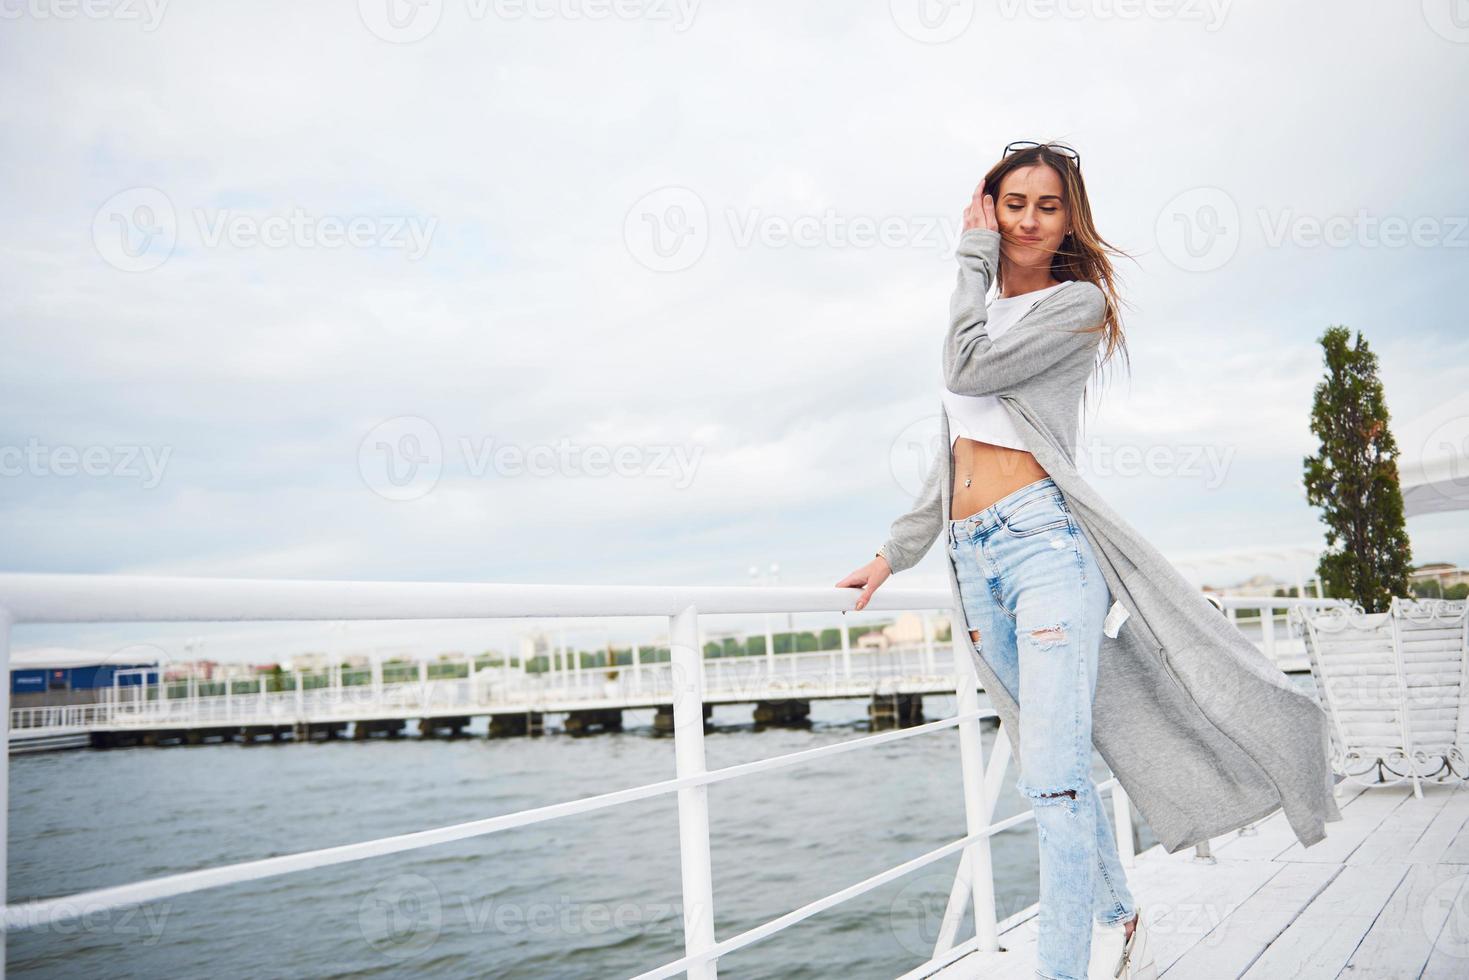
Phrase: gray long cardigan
[1204,732]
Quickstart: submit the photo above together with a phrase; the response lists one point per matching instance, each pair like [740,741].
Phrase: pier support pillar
[520,723]
[582,722]
[379,727]
[782,714]
[895,710]
[305,731]
[442,727]
[663,720]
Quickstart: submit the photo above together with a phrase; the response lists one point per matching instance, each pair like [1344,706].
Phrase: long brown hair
[1083,253]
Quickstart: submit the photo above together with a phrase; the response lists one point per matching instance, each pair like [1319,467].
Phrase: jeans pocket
[1040,513]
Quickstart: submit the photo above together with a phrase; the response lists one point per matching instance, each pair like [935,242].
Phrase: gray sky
[647,294]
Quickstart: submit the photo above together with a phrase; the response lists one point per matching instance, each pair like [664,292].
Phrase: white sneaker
[1107,944]
[1114,957]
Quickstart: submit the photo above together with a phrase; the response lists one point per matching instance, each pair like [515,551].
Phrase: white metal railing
[840,672]
[1270,614]
[827,673]
[84,598]
[81,598]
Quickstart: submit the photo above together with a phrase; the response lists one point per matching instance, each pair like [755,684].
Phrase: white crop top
[982,417]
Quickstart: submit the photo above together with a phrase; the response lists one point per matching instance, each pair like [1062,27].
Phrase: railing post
[769,651]
[928,664]
[6,622]
[977,810]
[1122,817]
[1267,631]
[846,652]
[693,801]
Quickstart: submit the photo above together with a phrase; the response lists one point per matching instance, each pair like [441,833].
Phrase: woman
[1033,594]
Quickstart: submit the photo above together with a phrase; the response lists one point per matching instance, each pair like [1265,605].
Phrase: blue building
[59,670]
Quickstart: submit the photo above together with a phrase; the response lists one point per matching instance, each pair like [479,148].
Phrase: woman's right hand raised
[867,578]
[981,210]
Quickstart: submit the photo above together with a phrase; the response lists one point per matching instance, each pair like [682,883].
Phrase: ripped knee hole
[1048,633]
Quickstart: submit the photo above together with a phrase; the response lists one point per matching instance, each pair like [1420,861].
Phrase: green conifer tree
[1354,479]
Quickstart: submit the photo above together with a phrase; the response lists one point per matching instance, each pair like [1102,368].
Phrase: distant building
[61,675]
[1447,575]
[1255,585]
[906,630]
[309,662]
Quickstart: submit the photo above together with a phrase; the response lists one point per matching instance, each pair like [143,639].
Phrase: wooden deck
[1383,896]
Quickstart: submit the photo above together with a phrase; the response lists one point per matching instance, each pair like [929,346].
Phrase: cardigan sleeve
[912,534]
[1060,328]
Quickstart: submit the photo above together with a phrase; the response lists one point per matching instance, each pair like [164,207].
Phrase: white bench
[1394,686]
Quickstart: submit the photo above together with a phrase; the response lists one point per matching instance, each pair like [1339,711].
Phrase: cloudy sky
[651,293]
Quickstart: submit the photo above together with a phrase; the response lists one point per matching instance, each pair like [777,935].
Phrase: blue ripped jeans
[1032,590]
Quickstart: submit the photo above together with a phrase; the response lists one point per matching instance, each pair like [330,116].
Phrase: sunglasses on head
[1060,148]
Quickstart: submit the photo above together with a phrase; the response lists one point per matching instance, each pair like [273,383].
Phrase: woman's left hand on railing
[867,578]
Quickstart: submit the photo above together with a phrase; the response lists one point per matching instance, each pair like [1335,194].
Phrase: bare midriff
[993,472]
